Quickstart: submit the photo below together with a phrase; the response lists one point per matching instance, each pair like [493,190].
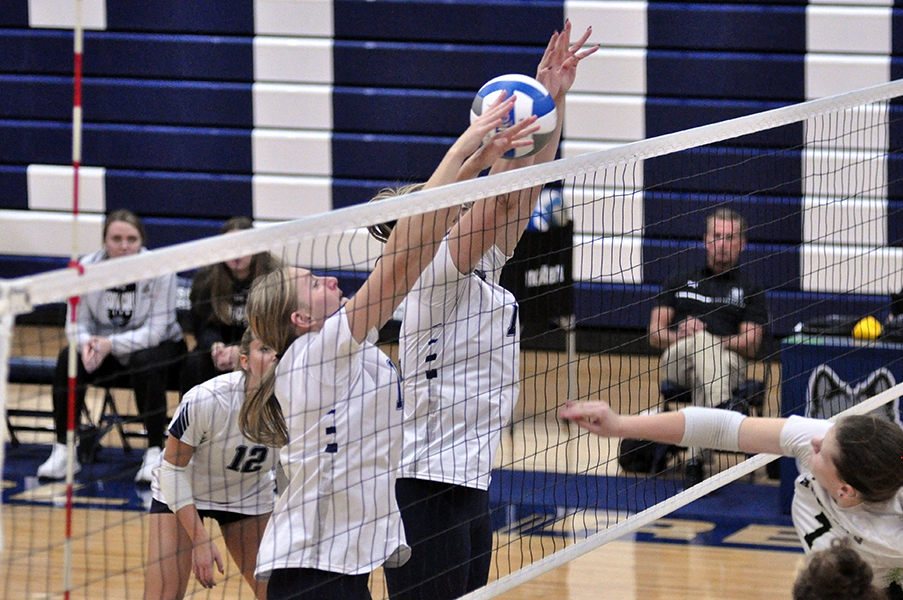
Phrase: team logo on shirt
[736,297]
[120,303]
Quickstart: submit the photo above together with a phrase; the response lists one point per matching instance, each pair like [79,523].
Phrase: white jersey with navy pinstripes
[342,406]
[228,471]
[875,529]
[460,357]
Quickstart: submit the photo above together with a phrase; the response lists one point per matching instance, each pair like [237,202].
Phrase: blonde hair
[382,231]
[273,299]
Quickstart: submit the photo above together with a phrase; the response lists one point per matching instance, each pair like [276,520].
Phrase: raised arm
[502,220]
[723,429]
[557,71]
[414,240]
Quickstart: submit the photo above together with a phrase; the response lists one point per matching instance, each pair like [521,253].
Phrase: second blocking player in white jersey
[460,356]
[210,469]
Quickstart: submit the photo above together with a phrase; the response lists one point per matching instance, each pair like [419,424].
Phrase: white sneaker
[151,460]
[55,466]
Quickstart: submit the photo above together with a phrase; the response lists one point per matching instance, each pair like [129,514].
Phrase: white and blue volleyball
[531,98]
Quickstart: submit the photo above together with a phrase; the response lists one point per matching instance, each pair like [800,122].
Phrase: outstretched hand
[483,152]
[595,417]
[558,68]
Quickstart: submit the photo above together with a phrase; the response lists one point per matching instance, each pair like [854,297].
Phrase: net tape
[22,294]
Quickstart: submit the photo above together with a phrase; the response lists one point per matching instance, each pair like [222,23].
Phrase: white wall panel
[279,152]
[280,198]
[845,222]
[292,106]
[60,14]
[830,74]
[613,23]
[854,2]
[613,71]
[848,29]
[605,118]
[353,250]
[34,233]
[50,188]
[617,259]
[844,174]
[859,128]
[604,211]
[292,60]
[294,17]
[839,269]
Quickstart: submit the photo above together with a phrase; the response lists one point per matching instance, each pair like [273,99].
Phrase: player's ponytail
[272,301]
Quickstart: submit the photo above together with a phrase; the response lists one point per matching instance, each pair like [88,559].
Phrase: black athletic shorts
[222,517]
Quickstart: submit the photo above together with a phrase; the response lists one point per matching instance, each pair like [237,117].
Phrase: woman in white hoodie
[127,330]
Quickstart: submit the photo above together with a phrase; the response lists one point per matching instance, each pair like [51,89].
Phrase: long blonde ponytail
[272,301]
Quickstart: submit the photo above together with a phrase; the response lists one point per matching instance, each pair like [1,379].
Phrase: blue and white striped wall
[276,109]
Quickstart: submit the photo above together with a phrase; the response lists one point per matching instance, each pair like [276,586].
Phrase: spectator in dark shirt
[218,296]
[710,320]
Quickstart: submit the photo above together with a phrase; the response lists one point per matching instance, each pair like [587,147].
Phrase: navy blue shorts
[222,517]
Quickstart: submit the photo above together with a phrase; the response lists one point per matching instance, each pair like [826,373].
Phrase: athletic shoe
[55,466]
[151,459]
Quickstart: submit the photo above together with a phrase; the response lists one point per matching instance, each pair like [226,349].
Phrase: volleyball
[531,98]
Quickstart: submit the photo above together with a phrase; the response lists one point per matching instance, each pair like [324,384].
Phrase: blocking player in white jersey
[209,469]
[333,402]
[851,471]
[460,356]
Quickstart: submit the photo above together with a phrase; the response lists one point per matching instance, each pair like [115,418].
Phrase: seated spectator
[218,296]
[709,320]
[127,330]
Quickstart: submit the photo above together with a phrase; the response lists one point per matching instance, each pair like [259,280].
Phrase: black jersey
[721,301]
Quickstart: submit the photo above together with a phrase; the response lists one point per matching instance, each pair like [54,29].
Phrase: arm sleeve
[796,438]
[159,322]
[711,428]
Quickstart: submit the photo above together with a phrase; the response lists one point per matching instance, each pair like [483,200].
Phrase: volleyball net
[819,184]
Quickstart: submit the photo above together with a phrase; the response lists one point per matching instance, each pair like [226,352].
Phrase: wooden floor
[110,544]
[109,551]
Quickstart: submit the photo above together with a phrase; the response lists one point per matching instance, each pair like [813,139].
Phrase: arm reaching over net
[501,220]
[413,242]
[708,427]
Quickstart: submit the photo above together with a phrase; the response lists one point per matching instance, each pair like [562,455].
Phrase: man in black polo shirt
[709,321]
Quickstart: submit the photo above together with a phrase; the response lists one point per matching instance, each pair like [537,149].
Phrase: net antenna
[72,367]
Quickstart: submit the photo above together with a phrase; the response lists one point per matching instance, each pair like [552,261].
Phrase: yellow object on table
[867,329]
